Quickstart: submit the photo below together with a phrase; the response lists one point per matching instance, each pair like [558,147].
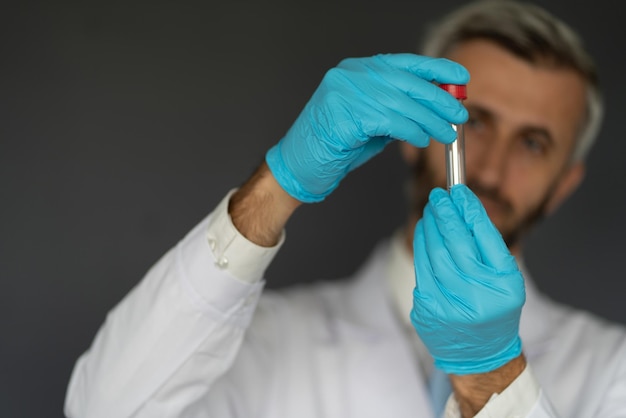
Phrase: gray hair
[532,34]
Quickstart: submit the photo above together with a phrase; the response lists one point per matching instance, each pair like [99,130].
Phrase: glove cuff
[484,365]
[285,178]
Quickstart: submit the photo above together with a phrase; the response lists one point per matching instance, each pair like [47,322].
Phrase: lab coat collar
[538,316]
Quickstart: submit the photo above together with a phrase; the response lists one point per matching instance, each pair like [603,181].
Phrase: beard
[424,180]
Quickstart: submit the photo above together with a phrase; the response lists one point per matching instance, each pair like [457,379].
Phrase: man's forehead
[520,92]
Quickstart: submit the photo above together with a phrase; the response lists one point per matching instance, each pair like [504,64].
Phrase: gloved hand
[359,107]
[469,291]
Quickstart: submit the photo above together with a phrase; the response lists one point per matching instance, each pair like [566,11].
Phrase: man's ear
[567,184]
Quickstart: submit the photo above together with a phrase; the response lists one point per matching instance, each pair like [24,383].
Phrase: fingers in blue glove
[440,70]
[409,107]
[492,248]
[360,106]
[446,230]
[465,310]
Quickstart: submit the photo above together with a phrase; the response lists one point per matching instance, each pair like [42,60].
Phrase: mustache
[490,193]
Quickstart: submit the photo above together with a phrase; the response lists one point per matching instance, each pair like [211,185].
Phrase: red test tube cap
[459,91]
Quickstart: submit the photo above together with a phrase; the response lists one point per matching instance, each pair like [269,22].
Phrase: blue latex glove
[469,291]
[359,107]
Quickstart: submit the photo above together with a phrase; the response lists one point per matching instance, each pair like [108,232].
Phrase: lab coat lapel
[380,376]
[536,320]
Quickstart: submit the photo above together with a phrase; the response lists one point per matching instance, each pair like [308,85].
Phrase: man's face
[522,128]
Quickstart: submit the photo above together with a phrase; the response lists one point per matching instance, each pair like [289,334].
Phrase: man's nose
[488,162]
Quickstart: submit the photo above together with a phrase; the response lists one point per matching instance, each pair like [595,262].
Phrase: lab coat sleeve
[522,398]
[162,348]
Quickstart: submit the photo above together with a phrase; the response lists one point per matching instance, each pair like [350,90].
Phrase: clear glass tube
[455,158]
[455,152]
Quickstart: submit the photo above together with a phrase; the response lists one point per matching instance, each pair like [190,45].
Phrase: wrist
[473,391]
[260,209]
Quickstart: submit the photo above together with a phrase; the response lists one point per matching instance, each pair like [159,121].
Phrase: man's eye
[473,122]
[534,145]
[475,125]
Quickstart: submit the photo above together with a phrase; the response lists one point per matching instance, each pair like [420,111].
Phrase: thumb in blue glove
[359,107]
[469,291]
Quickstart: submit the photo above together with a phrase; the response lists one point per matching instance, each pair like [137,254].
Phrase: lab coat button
[222,262]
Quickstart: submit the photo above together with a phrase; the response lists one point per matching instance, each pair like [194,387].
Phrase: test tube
[455,151]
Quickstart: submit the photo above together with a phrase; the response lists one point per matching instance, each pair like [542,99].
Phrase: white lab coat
[187,342]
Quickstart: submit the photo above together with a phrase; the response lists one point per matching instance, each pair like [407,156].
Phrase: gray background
[123,124]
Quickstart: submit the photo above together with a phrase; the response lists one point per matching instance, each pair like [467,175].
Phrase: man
[190,340]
